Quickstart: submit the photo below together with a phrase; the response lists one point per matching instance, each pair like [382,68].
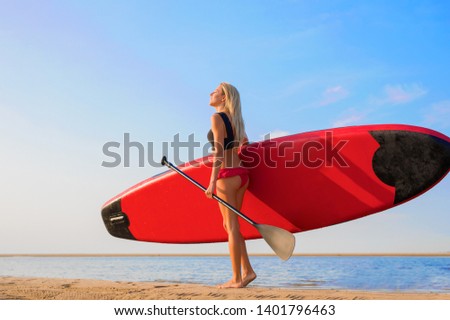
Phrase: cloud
[351,117]
[274,134]
[438,114]
[401,94]
[350,120]
[332,95]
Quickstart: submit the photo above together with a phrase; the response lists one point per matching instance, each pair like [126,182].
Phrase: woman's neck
[220,109]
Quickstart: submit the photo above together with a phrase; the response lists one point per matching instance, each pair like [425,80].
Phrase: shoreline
[113,255]
[15,288]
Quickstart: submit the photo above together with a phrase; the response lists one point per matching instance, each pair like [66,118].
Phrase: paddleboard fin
[116,221]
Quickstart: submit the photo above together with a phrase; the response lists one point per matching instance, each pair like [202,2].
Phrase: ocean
[374,273]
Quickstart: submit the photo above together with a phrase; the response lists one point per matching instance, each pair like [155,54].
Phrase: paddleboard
[299,182]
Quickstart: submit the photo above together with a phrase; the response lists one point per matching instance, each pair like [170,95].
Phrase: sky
[75,75]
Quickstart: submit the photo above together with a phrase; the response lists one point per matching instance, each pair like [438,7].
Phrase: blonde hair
[233,107]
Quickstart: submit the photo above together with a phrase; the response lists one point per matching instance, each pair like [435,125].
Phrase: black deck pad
[411,162]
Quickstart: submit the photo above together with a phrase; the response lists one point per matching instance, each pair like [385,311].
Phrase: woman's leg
[227,189]
[248,274]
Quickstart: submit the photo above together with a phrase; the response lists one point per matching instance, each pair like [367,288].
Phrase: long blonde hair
[233,107]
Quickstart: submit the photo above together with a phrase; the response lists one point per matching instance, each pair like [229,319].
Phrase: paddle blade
[281,241]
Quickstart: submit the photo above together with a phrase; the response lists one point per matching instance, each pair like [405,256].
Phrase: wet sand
[81,289]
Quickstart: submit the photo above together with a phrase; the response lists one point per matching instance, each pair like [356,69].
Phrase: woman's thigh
[228,189]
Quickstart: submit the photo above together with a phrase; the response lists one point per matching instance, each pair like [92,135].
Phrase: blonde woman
[228,178]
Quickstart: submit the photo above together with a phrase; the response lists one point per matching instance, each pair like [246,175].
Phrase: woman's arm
[218,129]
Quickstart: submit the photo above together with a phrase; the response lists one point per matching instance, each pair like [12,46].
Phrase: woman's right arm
[218,129]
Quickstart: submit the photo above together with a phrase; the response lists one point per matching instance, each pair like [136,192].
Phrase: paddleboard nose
[116,221]
[412,162]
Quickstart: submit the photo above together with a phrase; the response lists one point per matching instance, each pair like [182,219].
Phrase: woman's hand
[211,188]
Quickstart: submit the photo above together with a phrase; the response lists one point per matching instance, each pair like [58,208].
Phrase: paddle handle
[164,162]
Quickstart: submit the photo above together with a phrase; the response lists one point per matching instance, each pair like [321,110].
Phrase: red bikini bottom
[231,172]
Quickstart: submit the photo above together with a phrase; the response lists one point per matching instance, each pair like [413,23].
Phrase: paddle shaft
[220,200]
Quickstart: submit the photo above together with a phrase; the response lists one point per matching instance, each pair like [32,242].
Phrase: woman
[228,178]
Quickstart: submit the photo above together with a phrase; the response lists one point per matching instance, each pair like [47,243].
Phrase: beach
[15,288]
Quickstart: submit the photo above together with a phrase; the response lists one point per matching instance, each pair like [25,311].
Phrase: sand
[78,289]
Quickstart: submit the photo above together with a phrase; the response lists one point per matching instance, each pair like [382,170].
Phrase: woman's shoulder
[217,121]
[221,116]
[215,117]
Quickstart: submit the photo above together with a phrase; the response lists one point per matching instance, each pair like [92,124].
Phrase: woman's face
[217,97]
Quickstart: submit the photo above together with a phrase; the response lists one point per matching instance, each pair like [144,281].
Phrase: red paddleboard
[299,182]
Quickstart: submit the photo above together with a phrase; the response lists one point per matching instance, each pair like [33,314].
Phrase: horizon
[118,255]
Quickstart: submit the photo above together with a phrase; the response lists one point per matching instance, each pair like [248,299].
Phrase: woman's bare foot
[248,278]
[231,284]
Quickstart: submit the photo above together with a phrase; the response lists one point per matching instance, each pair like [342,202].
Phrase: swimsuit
[229,143]
[231,172]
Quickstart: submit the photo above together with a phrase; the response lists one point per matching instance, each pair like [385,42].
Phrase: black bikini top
[228,142]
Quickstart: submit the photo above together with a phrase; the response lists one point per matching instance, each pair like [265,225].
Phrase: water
[418,274]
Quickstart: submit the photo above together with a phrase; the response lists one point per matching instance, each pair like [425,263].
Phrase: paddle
[281,241]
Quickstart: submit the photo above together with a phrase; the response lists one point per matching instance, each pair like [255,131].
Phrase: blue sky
[77,74]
